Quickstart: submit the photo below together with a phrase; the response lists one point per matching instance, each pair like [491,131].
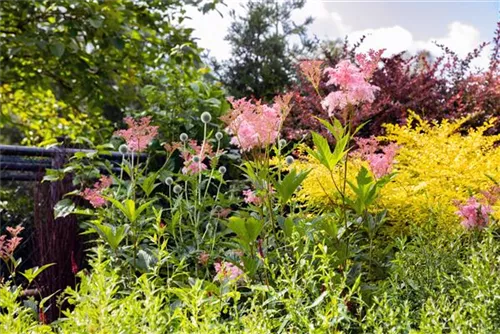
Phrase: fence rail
[22,163]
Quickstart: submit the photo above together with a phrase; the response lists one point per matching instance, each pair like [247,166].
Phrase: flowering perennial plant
[474,214]
[311,69]
[352,81]
[380,163]
[93,195]
[194,156]
[228,271]
[139,133]
[255,125]
[9,245]
[251,197]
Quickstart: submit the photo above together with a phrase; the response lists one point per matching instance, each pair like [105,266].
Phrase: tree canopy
[263,48]
[101,59]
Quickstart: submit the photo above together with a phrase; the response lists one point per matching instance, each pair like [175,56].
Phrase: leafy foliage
[99,61]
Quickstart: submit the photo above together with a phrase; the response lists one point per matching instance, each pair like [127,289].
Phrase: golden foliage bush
[435,165]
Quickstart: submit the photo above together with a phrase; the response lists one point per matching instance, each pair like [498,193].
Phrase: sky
[394,25]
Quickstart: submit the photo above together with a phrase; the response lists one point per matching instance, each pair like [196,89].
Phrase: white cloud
[393,39]
[326,24]
[461,38]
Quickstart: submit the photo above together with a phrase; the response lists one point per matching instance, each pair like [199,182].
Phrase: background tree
[95,58]
[263,52]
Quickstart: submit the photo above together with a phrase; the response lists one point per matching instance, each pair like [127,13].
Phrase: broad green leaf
[111,234]
[148,185]
[145,261]
[64,208]
[142,208]
[120,207]
[289,184]
[246,229]
[32,273]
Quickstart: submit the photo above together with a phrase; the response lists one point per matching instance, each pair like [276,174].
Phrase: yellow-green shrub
[435,165]
[42,118]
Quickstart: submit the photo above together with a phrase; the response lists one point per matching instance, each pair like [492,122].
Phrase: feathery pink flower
[311,69]
[352,81]
[14,231]
[139,133]
[474,214]
[93,195]
[368,63]
[380,163]
[251,197]
[195,150]
[492,195]
[227,271]
[255,125]
[8,246]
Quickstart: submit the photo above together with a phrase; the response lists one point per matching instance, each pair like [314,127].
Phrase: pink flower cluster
[7,246]
[202,153]
[474,214]
[93,195]
[492,195]
[311,69]
[368,63]
[139,133]
[255,125]
[227,271]
[203,258]
[251,197]
[380,163]
[352,82]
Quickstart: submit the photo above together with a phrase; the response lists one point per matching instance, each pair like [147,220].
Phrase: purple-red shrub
[445,87]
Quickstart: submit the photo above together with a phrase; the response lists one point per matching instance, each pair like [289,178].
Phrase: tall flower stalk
[352,90]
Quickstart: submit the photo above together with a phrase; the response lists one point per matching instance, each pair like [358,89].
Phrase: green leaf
[145,261]
[142,208]
[32,273]
[288,226]
[119,206]
[318,300]
[246,229]
[148,184]
[52,175]
[213,102]
[64,208]
[129,212]
[195,87]
[289,184]
[111,234]
[57,49]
